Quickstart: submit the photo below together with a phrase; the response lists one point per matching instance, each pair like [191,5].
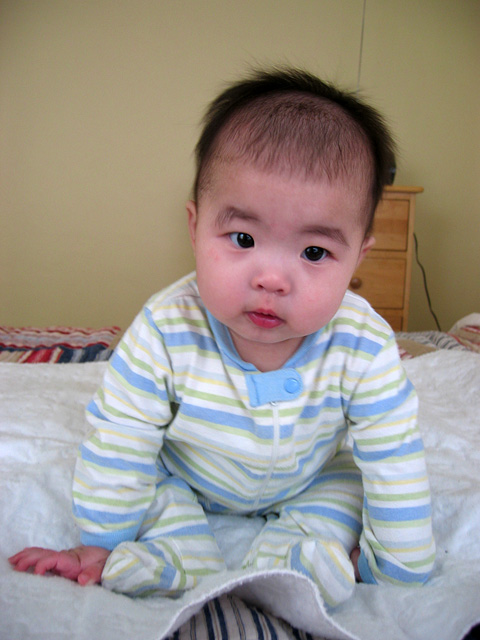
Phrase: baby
[260,385]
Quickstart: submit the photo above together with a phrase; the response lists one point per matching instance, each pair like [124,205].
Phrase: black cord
[425,283]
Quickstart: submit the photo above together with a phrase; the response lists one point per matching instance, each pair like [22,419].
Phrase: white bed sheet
[41,424]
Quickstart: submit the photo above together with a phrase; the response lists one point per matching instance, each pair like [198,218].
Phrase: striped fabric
[177,400]
[465,338]
[227,617]
[56,344]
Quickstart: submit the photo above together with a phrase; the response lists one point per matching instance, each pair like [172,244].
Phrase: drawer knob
[356,283]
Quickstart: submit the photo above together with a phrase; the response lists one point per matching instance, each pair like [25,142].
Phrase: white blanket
[41,424]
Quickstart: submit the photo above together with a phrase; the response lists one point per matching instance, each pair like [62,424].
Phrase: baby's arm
[118,466]
[82,564]
[397,544]
[128,437]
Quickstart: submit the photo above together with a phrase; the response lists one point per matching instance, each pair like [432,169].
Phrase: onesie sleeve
[397,544]
[116,470]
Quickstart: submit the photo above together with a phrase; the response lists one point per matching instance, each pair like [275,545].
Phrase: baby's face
[274,255]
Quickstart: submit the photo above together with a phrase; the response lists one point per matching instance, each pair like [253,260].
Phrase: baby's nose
[272,280]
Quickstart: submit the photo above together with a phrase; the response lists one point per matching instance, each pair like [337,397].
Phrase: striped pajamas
[326,448]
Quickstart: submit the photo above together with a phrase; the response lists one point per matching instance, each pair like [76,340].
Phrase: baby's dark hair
[289,120]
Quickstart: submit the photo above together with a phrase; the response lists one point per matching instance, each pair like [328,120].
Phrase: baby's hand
[354,558]
[83,564]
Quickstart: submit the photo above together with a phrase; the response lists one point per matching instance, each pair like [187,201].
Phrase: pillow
[463,336]
[57,344]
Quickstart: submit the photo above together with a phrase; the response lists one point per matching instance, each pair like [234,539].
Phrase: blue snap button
[292,385]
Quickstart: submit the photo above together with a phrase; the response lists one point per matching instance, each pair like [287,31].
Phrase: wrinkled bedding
[41,425]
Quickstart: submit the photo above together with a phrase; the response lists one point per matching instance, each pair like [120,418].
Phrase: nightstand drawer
[394,318]
[391,225]
[381,282]
[383,278]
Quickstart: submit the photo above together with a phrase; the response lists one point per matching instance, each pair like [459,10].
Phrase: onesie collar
[264,387]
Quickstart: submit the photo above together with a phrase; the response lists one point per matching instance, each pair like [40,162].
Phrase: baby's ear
[192,221]
[367,244]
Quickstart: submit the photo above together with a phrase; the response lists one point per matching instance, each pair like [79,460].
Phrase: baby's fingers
[63,563]
[24,560]
[59,562]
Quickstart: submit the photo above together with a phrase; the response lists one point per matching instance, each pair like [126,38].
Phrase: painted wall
[100,102]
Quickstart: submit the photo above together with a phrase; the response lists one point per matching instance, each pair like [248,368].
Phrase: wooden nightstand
[383,278]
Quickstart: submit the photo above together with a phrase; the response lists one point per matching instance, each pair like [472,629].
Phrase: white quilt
[41,424]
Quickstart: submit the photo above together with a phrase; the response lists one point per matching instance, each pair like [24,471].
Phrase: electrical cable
[425,285]
[360,52]
[359,73]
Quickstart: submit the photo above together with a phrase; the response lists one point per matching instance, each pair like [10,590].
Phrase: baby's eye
[314,254]
[242,240]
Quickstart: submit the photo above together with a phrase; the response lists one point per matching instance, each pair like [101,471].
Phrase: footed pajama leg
[175,547]
[315,532]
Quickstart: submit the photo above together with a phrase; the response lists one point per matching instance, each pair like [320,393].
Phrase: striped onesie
[326,448]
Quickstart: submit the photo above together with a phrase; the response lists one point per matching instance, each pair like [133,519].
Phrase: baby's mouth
[265,319]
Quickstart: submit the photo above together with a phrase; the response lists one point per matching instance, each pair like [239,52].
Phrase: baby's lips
[265,320]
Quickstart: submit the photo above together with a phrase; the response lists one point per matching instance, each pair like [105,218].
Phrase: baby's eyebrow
[334,233]
[227,215]
[232,213]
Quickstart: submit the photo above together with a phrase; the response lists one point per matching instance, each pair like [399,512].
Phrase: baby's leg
[315,532]
[175,547]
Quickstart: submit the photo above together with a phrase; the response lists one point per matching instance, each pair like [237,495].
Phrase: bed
[46,378]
